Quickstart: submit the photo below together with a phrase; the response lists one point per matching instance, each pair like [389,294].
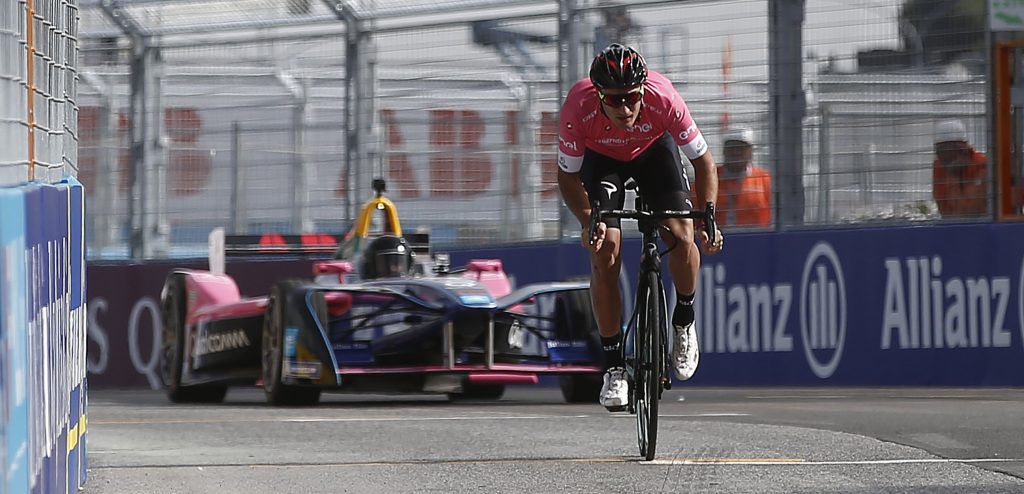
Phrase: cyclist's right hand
[598,238]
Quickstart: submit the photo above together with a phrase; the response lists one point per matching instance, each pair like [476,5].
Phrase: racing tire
[479,392]
[272,352]
[580,388]
[172,347]
[573,310]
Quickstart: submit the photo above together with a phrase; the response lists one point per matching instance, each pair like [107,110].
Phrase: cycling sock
[612,351]
[683,314]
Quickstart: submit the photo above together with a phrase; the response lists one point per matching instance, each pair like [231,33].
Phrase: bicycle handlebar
[708,215]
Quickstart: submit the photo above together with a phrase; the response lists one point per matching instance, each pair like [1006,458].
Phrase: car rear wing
[274,244]
[535,289]
[312,245]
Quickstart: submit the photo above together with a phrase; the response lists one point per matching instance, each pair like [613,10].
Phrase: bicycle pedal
[620,408]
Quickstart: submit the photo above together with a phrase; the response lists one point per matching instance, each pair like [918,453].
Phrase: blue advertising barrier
[902,305]
[922,305]
[13,340]
[43,337]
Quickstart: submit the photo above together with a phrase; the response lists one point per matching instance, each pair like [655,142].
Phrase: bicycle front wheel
[648,353]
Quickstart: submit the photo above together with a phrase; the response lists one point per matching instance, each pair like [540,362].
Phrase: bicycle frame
[650,263]
[641,381]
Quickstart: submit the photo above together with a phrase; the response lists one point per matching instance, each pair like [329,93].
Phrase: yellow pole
[30,44]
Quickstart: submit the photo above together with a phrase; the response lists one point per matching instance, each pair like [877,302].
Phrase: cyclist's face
[622,105]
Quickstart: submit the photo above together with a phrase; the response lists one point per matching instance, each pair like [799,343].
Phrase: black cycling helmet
[618,67]
[387,256]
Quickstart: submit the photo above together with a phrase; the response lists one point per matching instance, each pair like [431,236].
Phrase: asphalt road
[711,440]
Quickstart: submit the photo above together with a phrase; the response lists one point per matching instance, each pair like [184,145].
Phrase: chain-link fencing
[38,79]
[274,116]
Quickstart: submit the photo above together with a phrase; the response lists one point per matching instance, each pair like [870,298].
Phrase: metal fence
[38,79]
[870,144]
[455,104]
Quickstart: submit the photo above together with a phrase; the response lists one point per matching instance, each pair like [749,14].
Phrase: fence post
[824,162]
[238,182]
[787,105]
[569,62]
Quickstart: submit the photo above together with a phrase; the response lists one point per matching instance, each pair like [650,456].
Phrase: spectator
[744,190]
[960,174]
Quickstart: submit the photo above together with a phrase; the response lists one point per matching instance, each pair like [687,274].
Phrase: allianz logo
[924,309]
[756,317]
[823,314]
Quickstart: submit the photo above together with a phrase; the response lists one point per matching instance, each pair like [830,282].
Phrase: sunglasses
[616,100]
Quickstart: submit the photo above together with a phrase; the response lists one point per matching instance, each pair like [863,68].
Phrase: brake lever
[709,221]
[595,218]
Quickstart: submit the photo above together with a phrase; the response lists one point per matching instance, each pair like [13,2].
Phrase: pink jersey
[583,124]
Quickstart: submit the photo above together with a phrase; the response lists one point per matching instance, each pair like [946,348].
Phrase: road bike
[647,369]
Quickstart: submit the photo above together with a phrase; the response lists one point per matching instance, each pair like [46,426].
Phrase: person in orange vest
[960,184]
[744,190]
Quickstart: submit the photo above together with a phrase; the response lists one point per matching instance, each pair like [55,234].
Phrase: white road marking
[797,461]
[235,420]
[691,415]
[327,419]
[797,397]
[417,419]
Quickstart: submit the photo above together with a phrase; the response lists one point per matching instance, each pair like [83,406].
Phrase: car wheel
[575,320]
[479,392]
[278,393]
[580,388]
[172,348]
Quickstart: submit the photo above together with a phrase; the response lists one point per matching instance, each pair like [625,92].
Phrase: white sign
[1006,15]
[215,242]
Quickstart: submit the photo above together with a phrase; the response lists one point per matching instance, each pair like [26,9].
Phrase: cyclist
[625,121]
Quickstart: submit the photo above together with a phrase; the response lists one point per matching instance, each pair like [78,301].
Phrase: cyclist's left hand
[711,248]
[602,230]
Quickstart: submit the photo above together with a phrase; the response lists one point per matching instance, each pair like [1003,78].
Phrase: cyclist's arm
[574,195]
[571,145]
[707,179]
[687,135]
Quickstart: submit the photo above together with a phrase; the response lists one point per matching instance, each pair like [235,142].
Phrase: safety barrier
[928,305]
[43,338]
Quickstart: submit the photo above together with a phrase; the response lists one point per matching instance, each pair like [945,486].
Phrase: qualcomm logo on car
[823,309]
[208,342]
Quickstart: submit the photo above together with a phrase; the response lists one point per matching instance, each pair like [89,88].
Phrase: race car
[383,315]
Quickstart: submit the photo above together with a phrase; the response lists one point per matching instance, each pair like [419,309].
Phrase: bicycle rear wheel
[647,380]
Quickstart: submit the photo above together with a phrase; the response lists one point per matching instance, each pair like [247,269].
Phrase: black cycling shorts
[658,171]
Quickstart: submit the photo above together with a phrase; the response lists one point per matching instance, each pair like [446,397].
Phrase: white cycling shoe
[615,390]
[685,352]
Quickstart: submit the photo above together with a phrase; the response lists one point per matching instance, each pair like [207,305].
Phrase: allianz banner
[926,305]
